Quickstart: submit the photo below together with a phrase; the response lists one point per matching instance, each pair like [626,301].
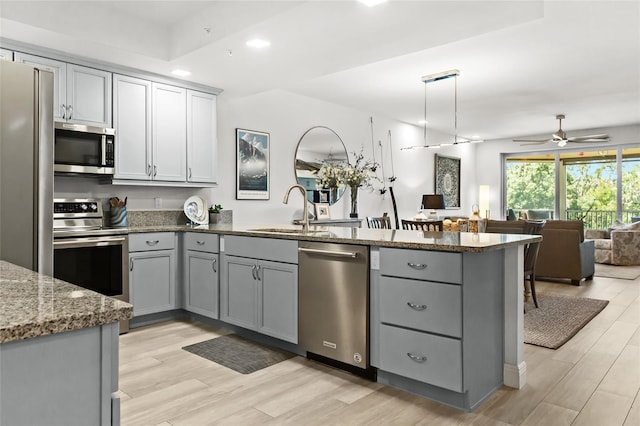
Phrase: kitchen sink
[291,231]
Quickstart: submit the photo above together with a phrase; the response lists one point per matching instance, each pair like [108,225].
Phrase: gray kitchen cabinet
[202,146]
[436,323]
[81,94]
[201,268]
[259,286]
[132,120]
[152,272]
[169,133]
[6,55]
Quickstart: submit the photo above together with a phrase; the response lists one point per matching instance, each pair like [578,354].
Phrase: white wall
[489,156]
[286,116]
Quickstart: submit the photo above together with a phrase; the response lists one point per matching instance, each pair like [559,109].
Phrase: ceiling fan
[560,137]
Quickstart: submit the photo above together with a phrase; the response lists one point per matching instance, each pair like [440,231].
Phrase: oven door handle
[89,242]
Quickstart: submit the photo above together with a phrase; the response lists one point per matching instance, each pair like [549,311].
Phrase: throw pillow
[619,226]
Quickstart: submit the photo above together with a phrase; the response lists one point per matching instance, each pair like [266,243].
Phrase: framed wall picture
[447,180]
[322,211]
[252,165]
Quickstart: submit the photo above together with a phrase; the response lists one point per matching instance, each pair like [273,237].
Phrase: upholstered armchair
[618,245]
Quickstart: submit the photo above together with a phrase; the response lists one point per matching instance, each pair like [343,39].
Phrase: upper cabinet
[202,152]
[81,94]
[164,133]
[169,133]
[6,55]
[132,119]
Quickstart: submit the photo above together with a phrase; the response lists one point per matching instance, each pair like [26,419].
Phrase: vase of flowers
[352,174]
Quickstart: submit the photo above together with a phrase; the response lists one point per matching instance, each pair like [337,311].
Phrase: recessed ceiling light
[181,73]
[372,3]
[258,43]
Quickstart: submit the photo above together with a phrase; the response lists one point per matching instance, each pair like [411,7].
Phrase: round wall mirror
[319,145]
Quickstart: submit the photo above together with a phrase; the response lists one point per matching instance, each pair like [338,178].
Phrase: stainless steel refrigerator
[26,166]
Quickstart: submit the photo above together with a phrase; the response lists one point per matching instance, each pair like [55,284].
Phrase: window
[596,186]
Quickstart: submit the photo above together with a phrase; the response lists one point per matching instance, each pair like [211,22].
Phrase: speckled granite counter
[421,240]
[33,304]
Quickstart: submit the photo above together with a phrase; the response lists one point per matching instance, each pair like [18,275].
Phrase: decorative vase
[354,201]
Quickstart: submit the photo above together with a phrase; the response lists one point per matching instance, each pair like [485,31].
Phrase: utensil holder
[118,216]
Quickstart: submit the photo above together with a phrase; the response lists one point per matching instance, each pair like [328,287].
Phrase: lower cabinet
[260,295]
[152,272]
[201,266]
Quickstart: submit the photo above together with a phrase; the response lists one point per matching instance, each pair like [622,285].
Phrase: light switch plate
[374,258]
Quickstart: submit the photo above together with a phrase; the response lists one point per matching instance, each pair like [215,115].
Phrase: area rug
[558,319]
[621,272]
[238,353]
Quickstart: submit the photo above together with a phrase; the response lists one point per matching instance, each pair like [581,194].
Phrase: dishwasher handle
[349,254]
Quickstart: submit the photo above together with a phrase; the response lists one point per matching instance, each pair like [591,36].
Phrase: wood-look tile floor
[594,379]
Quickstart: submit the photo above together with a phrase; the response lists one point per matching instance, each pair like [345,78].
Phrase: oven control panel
[77,208]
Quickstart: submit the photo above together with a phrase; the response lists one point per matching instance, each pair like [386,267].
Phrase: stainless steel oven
[86,253]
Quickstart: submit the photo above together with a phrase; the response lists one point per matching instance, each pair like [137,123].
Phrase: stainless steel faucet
[305,214]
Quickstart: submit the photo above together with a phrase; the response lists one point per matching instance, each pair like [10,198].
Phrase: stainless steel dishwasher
[333,299]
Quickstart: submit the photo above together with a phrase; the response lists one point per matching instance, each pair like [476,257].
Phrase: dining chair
[422,225]
[383,222]
[532,227]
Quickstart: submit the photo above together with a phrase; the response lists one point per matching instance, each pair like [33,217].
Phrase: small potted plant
[214,213]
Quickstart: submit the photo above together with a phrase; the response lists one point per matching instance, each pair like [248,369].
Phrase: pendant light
[431,78]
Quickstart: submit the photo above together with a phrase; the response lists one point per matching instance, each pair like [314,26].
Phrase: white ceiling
[520,62]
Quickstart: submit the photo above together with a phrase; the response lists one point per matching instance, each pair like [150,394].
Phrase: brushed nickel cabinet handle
[130,264]
[64,112]
[418,266]
[155,170]
[417,307]
[200,243]
[70,111]
[148,169]
[213,265]
[253,272]
[189,172]
[258,273]
[416,358]
[152,243]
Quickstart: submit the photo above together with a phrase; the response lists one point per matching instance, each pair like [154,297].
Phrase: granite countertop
[33,304]
[421,240]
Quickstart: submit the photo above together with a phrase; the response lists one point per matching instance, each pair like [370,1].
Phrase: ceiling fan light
[562,142]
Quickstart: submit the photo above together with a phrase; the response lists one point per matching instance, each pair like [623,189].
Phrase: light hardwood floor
[594,379]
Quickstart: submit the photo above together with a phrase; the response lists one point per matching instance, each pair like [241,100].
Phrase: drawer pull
[200,243]
[416,307]
[416,358]
[419,266]
[213,265]
[152,243]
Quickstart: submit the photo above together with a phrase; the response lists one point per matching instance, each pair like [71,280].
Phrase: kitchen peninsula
[58,351]
[471,283]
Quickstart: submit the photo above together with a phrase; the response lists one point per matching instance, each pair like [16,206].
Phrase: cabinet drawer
[151,241]
[262,248]
[421,305]
[420,356]
[201,242]
[421,265]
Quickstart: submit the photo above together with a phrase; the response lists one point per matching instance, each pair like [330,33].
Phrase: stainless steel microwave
[83,149]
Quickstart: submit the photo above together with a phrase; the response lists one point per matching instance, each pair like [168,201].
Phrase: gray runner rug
[558,318]
[238,353]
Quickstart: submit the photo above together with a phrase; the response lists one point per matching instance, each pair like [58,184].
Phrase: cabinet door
[201,281]
[132,119]
[6,55]
[169,133]
[238,295]
[88,96]
[59,70]
[202,144]
[152,282]
[278,300]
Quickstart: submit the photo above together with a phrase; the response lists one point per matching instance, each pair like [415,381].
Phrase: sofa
[618,245]
[564,252]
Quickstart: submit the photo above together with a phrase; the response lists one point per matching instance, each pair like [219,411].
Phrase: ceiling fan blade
[587,140]
[589,137]
[532,140]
